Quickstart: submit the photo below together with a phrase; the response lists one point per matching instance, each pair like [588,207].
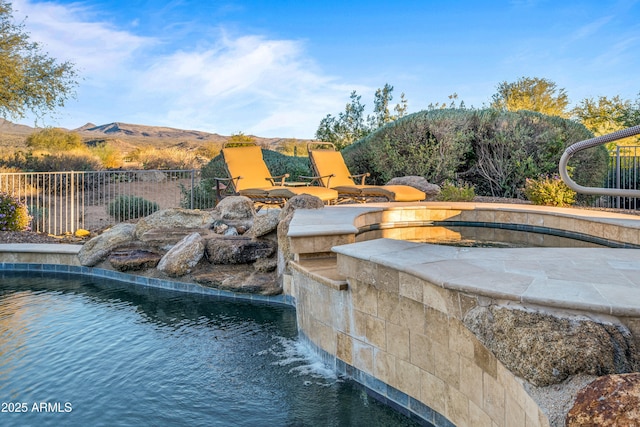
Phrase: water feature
[86,351]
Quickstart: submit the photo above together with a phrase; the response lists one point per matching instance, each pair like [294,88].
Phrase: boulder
[183,257]
[236,207]
[134,259]
[266,265]
[240,281]
[238,250]
[219,227]
[98,248]
[151,176]
[175,218]
[546,349]
[419,182]
[223,226]
[265,223]
[166,237]
[611,400]
[302,201]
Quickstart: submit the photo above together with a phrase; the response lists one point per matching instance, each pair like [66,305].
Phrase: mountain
[122,129]
[131,135]
[12,128]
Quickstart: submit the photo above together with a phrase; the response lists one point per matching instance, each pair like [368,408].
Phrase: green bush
[432,144]
[125,207]
[450,192]
[495,151]
[204,196]
[280,164]
[14,215]
[549,191]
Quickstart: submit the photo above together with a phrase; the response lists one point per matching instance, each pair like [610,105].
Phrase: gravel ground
[31,237]
[557,400]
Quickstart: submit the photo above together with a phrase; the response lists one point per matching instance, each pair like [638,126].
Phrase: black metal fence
[622,173]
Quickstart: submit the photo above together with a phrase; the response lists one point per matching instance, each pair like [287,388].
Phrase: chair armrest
[273,179]
[316,179]
[362,175]
[225,187]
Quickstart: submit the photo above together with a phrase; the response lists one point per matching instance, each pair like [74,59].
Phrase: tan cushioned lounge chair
[250,177]
[333,173]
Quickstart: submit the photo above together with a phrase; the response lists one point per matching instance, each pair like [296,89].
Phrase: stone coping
[343,218]
[43,248]
[596,280]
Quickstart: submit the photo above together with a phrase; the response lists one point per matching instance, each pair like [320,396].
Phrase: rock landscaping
[231,247]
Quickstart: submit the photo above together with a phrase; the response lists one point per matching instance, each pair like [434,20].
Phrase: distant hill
[130,136]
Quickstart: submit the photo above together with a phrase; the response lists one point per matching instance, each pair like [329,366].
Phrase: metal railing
[63,202]
[593,142]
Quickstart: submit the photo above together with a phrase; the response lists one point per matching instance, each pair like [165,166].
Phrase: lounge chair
[332,172]
[250,177]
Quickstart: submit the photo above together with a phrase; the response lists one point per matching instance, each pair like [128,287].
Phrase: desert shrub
[71,160]
[43,161]
[125,207]
[292,147]
[204,196]
[461,192]
[549,191]
[165,159]
[495,151]
[14,215]
[109,155]
[54,139]
[209,150]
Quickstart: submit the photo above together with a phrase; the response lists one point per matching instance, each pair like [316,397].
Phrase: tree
[347,128]
[607,115]
[54,139]
[602,116]
[31,80]
[351,125]
[533,94]
[631,116]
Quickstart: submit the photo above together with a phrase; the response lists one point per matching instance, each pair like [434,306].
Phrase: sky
[276,68]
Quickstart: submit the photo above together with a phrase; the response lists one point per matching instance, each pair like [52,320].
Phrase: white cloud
[247,83]
[262,85]
[66,32]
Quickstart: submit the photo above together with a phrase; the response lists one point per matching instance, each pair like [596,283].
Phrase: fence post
[73,203]
[193,180]
[618,175]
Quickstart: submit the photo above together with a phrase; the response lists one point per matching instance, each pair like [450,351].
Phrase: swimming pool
[88,351]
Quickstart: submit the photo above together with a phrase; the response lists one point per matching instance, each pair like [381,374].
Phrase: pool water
[81,351]
[490,237]
[501,236]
